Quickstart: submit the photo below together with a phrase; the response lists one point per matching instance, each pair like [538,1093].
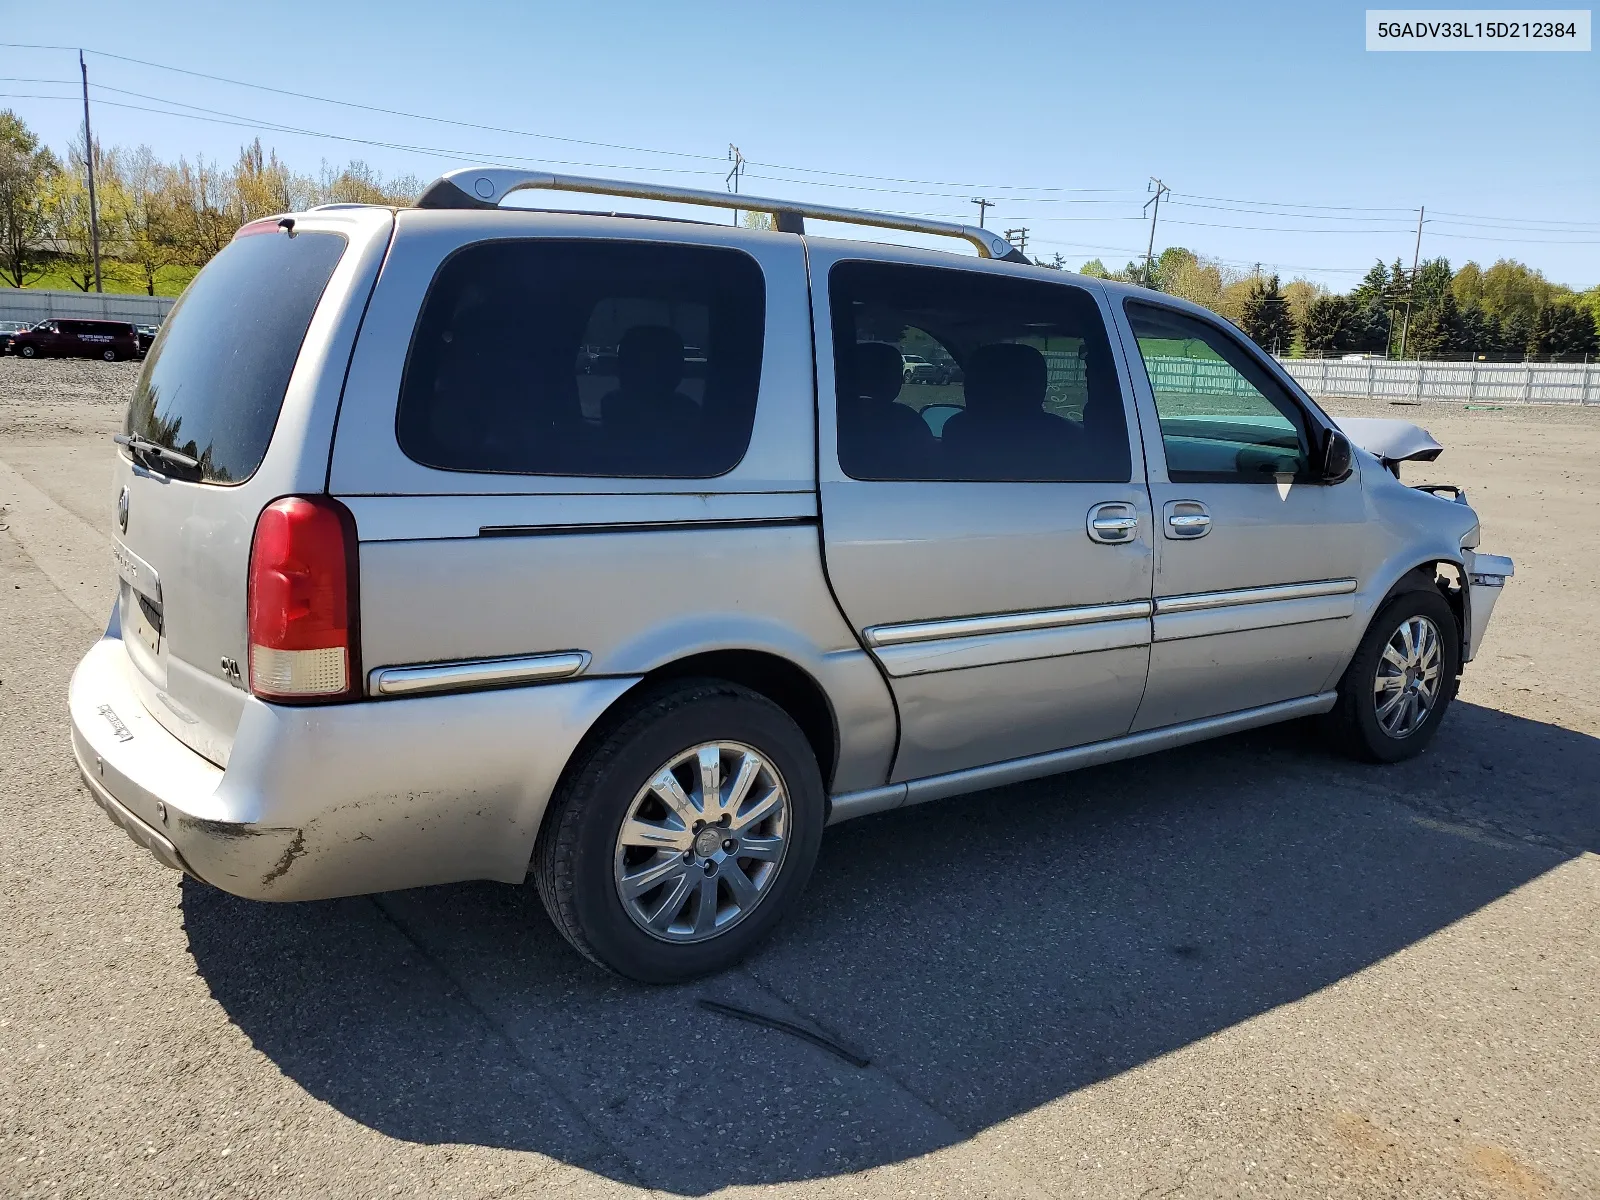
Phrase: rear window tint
[215,377]
[597,358]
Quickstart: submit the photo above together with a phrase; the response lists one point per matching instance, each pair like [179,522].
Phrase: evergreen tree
[1479,333]
[1325,327]
[1562,330]
[1266,319]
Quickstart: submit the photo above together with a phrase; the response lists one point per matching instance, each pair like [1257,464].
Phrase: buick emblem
[122,511]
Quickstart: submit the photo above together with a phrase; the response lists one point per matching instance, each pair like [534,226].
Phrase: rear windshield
[214,379]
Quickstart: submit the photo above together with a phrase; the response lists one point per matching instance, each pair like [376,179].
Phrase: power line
[1536,225]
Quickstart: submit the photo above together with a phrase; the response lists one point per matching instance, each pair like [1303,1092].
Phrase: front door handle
[1113,524]
[1185,520]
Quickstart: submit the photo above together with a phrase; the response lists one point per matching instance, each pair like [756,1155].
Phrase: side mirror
[1337,459]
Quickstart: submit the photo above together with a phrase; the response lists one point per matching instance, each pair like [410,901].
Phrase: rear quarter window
[586,358]
[215,378]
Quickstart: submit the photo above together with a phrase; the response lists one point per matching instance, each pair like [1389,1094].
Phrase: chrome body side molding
[1257,595]
[1203,614]
[482,673]
[922,647]
[983,650]
[937,787]
[959,627]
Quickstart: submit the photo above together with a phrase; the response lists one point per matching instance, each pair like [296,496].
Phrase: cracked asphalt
[1242,968]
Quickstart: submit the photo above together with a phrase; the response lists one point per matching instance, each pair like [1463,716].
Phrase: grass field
[123,279]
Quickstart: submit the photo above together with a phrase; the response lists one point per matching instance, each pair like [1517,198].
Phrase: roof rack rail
[486,187]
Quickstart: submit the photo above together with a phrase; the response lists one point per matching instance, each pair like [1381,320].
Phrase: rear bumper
[337,800]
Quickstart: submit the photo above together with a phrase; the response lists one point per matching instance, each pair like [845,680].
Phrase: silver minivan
[473,542]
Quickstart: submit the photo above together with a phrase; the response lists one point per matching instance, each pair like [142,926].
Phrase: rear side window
[599,358]
[215,378]
[961,375]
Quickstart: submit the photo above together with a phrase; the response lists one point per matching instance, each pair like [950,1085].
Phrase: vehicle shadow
[989,954]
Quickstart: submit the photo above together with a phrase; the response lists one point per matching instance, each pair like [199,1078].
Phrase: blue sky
[1059,111]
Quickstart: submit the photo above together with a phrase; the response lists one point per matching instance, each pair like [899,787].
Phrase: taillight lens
[303,601]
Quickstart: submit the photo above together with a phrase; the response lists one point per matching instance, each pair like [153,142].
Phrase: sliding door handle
[1113,524]
[1185,520]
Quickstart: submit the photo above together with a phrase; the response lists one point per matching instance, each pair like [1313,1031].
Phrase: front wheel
[684,834]
[1395,692]
[27,352]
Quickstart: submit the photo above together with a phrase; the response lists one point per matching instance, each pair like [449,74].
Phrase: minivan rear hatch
[234,408]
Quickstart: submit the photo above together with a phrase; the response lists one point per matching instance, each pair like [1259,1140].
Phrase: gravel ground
[1241,968]
[64,397]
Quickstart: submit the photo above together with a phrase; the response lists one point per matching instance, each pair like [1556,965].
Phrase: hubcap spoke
[705,915]
[744,777]
[653,875]
[1392,703]
[670,792]
[673,903]
[710,767]
[767,849]
[685,868]
[660,834]
[759,811]
[741,885]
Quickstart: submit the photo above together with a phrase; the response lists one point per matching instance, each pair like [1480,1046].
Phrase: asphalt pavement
[1243,968]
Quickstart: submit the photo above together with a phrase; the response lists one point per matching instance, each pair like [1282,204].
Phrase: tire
[582,867]
[27,352]
[109,355]
[1356,723]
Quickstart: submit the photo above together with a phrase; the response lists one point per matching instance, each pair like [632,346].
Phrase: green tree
[1479,332]
[151,232]
[25,167]
[1265,318]
[1094,269]
[1563,329]
[1325,325]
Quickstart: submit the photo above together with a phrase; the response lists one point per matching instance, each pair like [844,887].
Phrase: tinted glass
[961,375]
[607,358]
[214,380]
[1224,419]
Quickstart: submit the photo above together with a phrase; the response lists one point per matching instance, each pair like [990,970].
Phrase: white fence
[1469,382]
[37,304]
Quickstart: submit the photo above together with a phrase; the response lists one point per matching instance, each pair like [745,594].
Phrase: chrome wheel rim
[1410,672]
[702,843]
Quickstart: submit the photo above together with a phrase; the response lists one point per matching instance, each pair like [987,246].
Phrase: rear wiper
[153,454]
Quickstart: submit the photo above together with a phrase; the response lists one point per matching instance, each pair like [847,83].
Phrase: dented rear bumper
[335,800]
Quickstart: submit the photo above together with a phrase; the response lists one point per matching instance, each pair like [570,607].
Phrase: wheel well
[1443,577]
[788,686]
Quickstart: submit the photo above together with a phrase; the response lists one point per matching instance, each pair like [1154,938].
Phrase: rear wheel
[684,834]
[109,355]
[1400,682]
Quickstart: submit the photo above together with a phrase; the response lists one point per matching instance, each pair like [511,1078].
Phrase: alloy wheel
[702,842]
[1409,677]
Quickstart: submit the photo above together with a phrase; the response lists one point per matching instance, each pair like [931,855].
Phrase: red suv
[62,337]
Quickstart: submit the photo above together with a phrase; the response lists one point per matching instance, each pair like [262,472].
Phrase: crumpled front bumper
[1486,576]
[336,800]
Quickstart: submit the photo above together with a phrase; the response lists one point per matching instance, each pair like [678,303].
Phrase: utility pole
[88,155]
[1150,250]
[983,207]
[1411,290]
[732,181]
[1019,239]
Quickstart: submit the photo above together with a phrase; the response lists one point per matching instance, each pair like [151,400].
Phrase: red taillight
[303,601]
